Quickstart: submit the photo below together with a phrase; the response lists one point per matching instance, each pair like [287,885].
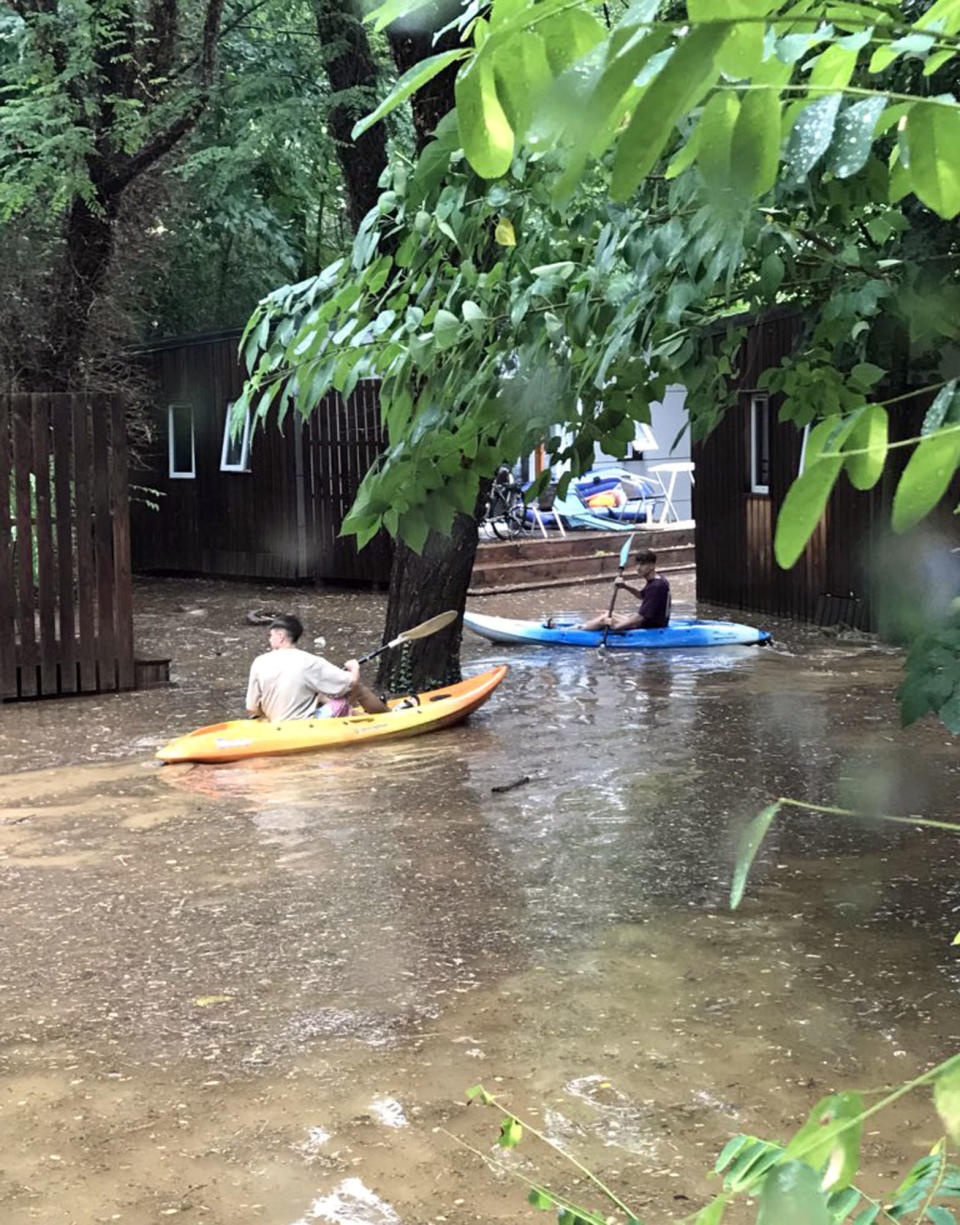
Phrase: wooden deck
[532,562]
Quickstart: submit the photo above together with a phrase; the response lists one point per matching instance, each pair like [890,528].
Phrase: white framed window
[180,442]
[759,444]
[235,452]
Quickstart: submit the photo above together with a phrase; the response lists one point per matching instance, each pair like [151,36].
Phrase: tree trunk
[56,356]
[437,579]
[88,248]
[420,587]
[353,71]
[410,43]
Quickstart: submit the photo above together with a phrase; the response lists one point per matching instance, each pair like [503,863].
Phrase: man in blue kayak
[653,612]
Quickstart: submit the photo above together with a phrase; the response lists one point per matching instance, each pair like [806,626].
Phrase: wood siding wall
[66,622]
[279,520]
[833,580]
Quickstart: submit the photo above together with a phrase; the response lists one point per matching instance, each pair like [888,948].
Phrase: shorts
[333,708]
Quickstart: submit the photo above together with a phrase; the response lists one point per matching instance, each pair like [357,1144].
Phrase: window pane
[763,442]
[181,439]
[235,453]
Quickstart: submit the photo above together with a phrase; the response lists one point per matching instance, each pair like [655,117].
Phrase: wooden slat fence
[342,441]
[66,616]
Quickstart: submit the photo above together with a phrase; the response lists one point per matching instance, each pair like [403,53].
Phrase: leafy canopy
[597,215]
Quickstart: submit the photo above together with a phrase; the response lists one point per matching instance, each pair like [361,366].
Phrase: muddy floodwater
[257,993]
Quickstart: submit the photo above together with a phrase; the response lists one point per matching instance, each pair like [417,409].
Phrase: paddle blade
[625,552]
[426,628]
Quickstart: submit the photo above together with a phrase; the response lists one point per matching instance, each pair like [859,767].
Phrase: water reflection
[257,970]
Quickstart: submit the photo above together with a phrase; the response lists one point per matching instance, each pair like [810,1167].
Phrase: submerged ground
[257,993]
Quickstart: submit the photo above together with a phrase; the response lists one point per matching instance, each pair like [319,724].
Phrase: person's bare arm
[253,696]
[634,591]
[360,694]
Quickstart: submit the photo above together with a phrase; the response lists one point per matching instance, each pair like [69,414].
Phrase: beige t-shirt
[288,684]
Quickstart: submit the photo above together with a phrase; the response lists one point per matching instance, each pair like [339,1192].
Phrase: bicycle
[506,512]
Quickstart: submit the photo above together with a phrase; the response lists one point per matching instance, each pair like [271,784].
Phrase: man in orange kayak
[653,612]
[287,683]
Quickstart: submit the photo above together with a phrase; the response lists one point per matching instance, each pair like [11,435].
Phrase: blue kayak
[562,631]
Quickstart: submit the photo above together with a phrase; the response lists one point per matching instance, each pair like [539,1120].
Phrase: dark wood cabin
[744,470]
[267,505]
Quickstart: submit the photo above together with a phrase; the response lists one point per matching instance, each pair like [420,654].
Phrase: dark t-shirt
[654,611]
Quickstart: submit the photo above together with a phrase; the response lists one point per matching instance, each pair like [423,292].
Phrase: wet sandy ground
[257,993]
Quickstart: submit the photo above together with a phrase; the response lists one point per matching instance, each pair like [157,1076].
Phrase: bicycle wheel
[503,527]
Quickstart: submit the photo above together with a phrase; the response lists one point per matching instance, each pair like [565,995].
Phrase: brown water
[257,993]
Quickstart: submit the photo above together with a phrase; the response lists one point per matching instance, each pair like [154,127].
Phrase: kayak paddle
[423,630]
[624,558]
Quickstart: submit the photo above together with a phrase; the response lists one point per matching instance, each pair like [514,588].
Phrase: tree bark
[90,226]
[353,73]
[409,44]
[422,585]
[88,246]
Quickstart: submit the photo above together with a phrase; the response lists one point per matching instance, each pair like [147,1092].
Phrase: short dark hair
[289,624]
[646,557]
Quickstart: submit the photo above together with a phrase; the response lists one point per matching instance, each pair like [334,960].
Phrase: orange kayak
[242,738]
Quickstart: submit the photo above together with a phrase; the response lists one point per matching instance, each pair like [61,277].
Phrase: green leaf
[802,510]
[446,329]
[726,10]
[750,841]
[936,61]
[562,269]
[811,134]
[842,1203]
[940,1216]
[870,435]
[523,77]
[865,374]
[712,1213]
[791,1195]
[946,1098]
[830,1141]
[384,14]
[807,497]
[833,68]
[414,530]
[686,157]
[771,274]
[568,35]
[588,104]
[936,414]
[926,478]
[868,1216]
[752,1165]
[680,85]
[742,52]
[472,312]
[853,136]
[539,1198]
[715,133]
[755,145]
[944,15]
[485,131]
[933,138]
[478,1091]
[733,1146]
[413,79]
[511,1132]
